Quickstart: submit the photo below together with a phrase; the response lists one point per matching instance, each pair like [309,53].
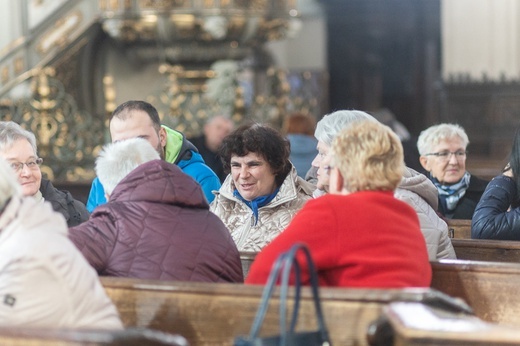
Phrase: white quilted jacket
[272,218]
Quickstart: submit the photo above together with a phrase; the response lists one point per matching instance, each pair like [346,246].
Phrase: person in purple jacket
[156,224]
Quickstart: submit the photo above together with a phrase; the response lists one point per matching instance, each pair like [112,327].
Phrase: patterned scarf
[450,195]
[256,203]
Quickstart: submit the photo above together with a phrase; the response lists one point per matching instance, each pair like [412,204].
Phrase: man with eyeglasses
[18,148]
[443,154]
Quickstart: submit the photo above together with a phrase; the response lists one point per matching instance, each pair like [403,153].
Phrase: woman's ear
[424,162]
[336,182]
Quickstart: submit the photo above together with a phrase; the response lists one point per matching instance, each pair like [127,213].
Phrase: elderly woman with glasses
[443,154]
[18,148]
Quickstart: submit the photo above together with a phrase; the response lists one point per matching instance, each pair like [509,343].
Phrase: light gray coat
[420,193]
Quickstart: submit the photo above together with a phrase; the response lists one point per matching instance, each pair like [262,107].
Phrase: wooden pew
[48,337]
[414,324]
[487,250]
[459,229]
[490,288]
[214,314]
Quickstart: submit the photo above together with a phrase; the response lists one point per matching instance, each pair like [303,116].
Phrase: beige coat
[420,193]
[44,280]
[273,218]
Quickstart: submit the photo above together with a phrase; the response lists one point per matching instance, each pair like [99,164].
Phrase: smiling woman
[18,148]
[263,192]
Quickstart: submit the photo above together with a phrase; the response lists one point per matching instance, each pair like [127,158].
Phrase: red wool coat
[365,239]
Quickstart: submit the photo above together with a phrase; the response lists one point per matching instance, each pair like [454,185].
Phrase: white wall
[481,37]
[10,23]
[308,50]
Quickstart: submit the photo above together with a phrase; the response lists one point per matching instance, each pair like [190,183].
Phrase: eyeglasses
[445,155]
[32,165]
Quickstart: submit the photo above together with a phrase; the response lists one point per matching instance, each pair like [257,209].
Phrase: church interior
[66,64]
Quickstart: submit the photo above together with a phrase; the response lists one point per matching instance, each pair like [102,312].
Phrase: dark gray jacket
[73,210]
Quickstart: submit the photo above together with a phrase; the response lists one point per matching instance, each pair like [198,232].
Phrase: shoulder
[477,184]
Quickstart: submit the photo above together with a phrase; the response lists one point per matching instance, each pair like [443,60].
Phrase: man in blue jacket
[140,119]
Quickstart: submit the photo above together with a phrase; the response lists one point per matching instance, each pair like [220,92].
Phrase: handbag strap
[290,259]
[286,273]
[266,295]
[283,265]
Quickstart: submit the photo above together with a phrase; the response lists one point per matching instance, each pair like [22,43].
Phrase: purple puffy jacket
[157,225]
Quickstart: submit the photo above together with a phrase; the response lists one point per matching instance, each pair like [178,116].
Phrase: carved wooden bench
[487,250]
[49,337]
[414,324]
[490,288]
[214,314]
[459,229]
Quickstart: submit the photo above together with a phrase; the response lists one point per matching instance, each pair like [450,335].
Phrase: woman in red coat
[359,235]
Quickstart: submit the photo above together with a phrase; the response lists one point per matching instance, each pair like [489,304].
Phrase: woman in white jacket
[45,281]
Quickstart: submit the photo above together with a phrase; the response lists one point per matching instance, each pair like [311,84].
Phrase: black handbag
[288,337]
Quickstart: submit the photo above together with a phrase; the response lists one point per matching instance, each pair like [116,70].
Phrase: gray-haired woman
[443,154]
[18,148]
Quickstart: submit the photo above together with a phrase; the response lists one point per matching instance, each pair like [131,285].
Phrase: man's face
[216,130]
[137,123]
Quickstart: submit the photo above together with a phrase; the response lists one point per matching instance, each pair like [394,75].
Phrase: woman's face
[252,175]
[321,162]
[447,161]
[30,177]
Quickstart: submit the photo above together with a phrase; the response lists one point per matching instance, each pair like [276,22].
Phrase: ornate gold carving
[5,74]
[58,36]
[110,94]
[19,65]
[67,137]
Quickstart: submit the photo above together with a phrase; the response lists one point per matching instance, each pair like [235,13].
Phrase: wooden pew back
[214,314]
[487,250]
[490,288]
[48,337]
[459,229]
[414,324]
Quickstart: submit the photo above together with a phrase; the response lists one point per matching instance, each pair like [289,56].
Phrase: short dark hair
[121,112]
[261,140]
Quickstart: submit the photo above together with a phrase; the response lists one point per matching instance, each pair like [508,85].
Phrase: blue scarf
[256,203]
[450,195]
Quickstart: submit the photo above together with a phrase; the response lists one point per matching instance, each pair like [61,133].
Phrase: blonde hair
[369,156]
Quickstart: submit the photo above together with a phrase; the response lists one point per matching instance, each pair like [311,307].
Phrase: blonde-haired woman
[359,234]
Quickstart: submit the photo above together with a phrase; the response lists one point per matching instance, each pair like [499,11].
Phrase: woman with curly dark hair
[262,192]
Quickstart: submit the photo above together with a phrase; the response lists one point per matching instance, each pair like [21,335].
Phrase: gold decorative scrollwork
[67,137]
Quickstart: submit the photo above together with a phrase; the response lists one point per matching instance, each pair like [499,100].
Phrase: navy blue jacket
[491,219]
